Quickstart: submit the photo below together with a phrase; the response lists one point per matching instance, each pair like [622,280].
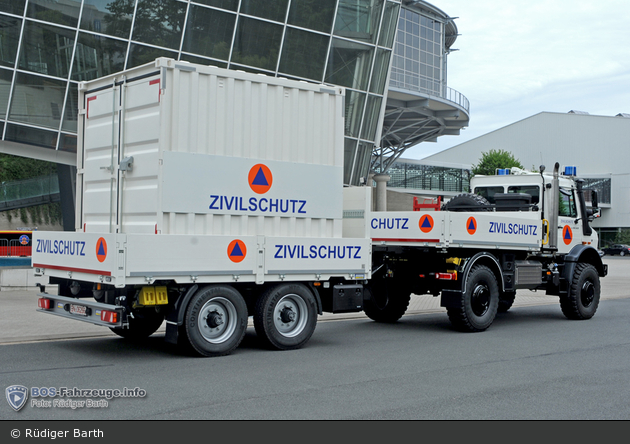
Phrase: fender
[451,298]
[175,317]
[582,253]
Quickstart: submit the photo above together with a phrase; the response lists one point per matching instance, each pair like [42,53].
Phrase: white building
[599,146]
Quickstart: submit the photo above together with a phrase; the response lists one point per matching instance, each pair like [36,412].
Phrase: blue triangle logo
[101,250]
[426,223]
[471,225]
[567,235]
[260,178]
[236,251]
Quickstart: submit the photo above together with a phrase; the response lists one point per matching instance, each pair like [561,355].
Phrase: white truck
[206,195]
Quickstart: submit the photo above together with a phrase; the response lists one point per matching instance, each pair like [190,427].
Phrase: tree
[493,160]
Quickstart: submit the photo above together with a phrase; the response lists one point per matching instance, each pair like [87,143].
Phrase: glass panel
[225,4]
[362,163]
[46,49]
[269,9]
[359,19]
[201,61]
[209,32]
[566,203]
[372,113]
[139,55]
[533,191]
[68,143]
[37,100]
[488,192]
[31,136]
[312,14]
[257,43]
[349,151]
[355,102]
[9,38]
[349,64]
[13,6]
[304,54]
[379,74]
[111,17]
[97,56]
[71,112]
[388,28]
[159,23]
[6,77]
[63,13]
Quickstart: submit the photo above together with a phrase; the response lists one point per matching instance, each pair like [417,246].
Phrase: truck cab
[566,209]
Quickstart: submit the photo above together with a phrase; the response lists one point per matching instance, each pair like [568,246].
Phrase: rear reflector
[44,303]
[446,276]
[109,316]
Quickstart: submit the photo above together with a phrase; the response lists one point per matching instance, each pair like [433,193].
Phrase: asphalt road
[532,364]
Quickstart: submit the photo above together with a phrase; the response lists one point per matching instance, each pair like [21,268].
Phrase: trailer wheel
[385,303]
[141,326]
[215,320]
[479,302]
[583,298]
[285,316]
[506,299]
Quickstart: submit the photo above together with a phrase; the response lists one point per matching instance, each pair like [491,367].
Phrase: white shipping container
[178,148]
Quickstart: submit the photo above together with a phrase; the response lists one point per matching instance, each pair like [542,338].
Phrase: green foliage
[493,160]
[623,237]
[19,168]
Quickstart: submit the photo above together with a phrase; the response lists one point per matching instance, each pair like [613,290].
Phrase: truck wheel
[141,326]
[479,302]
[385,303]
[467,202]
[583,298]
[506,299]
[286,316]
[215,320]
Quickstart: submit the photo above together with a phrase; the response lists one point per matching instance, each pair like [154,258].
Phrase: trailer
[206,196]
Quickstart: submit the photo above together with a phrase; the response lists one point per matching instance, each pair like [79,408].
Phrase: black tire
[143,324]
[467,202]
[622,253]
[286,316]
[215,321]
[384,302]
[479,303]
[506,300]
[583,298]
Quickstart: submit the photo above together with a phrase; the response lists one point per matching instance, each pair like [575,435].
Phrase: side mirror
[594,202]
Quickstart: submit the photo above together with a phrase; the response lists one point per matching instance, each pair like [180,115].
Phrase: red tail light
[109,316]
[44,303]
[446,276]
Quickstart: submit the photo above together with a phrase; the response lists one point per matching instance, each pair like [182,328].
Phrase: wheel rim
[587,294]
[290,315]
[217,320]
[480,300]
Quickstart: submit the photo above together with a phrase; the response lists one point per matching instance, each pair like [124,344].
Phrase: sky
[517,58]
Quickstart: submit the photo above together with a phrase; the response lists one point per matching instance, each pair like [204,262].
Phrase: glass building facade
[48,46]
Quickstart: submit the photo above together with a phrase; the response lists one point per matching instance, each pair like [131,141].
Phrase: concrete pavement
[20,322]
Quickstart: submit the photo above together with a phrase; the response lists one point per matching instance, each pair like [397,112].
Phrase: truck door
[569,233]
[119,156]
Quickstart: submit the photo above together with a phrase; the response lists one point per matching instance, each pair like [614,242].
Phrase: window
[566,203]
[533,191]
[488,192]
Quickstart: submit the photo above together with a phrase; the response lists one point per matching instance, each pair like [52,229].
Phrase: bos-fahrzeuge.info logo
[260,180]
[17,395]
[64,397]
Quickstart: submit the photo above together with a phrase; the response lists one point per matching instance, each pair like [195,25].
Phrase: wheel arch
[490,261]
[586,254]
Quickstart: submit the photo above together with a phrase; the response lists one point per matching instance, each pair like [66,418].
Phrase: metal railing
[29,191]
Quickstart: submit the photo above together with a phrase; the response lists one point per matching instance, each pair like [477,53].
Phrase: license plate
[78,310]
